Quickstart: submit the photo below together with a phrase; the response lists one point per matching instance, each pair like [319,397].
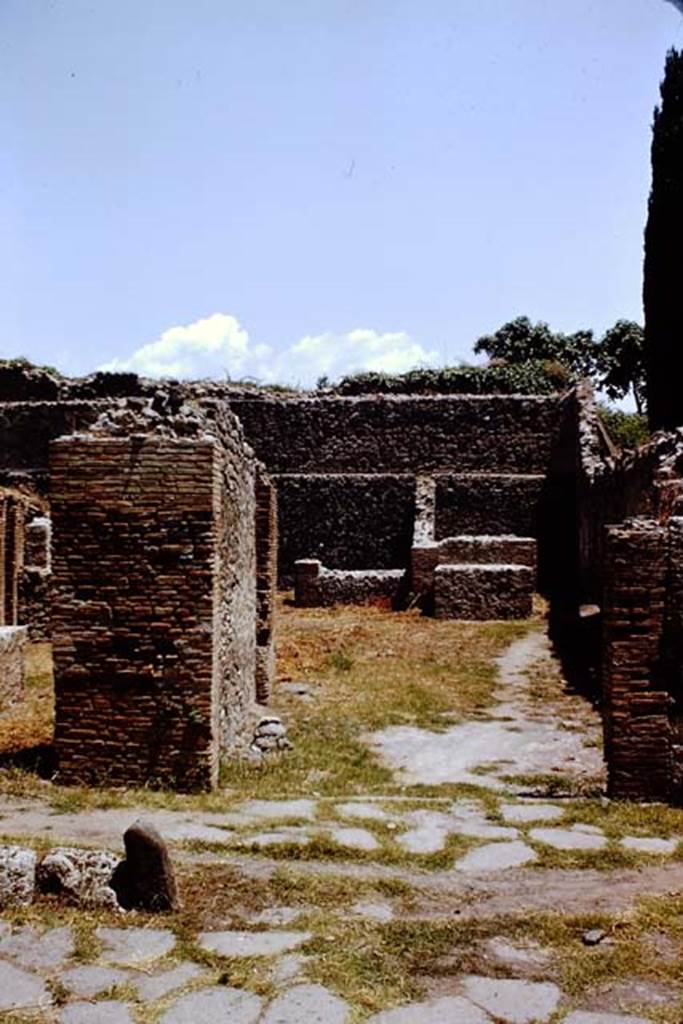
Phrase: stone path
[475,857]
[183,992]
[523,734]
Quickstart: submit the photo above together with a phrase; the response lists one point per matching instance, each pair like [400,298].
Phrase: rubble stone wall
[359,521]
[27,428]
[483,591]
[464,549]
[34,598]
[401,434]
[487,504]
[316,586]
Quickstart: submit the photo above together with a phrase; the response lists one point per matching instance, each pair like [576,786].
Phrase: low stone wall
[315,586]
[487,503]
[13,640]
[464,550]
[483,591]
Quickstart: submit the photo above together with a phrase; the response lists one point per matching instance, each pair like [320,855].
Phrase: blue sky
[289,189]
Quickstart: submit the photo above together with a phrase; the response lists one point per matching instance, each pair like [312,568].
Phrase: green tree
[620,363]
[520,341]
[662,293]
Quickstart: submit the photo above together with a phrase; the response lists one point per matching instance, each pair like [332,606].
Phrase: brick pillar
[266,584]
[638,733]
[673,645]
[136,583]
[13,557]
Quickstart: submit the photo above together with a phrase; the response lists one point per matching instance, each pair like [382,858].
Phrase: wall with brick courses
[12,653]
[266,583]
[153,603]
[12,524]
[349,521]
[401,434]
[639,738]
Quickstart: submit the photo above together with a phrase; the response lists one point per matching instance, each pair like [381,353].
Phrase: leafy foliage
[627,429]
[620,362]
[538,377]
[22,363]
[520,341]
[662,298]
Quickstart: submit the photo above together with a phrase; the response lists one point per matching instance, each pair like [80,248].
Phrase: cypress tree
[663,270]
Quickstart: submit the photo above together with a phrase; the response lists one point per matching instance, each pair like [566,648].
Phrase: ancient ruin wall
[354,521]
[234,599]
[266,583]
[488,504]
[401,434]
[153,598]
[636,710]
[345,468]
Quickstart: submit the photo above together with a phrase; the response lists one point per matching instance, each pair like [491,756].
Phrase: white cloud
[215,345]
[218,346]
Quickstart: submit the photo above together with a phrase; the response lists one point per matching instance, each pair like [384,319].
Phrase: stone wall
[401,434]
[153,606]
[361,521]
[266,584]
[482,550]
[316,586]
[483,591]
[27,428]
[34,599]
[12,653]
[488,504]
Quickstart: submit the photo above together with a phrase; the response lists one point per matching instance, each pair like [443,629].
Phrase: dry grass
[368,668]
[30,724]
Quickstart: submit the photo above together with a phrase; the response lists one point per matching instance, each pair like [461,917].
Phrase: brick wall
[153,602]
[636,705]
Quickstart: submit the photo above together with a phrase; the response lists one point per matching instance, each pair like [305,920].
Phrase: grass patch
[30,723]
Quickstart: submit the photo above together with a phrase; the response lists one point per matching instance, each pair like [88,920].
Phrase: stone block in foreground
[483,591]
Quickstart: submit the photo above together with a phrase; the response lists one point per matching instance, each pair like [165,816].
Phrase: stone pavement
[137,968]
